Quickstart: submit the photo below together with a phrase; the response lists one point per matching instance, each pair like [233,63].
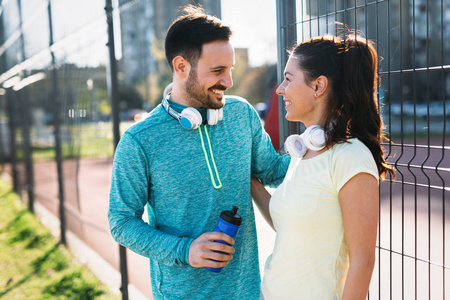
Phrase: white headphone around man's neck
[190,118]
[313,138]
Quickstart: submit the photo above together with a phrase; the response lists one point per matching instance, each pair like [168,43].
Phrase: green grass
[33,265]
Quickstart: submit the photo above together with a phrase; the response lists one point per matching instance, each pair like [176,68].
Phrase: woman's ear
[181,67]
[321,85]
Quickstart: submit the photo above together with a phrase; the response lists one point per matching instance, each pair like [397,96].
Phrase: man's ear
[181,67]
[321,85]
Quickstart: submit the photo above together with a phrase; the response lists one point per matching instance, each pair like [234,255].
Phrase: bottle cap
[231,216]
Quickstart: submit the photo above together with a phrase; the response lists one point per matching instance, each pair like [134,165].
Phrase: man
[190,159]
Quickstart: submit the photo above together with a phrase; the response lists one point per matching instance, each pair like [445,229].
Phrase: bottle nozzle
[231,216]
[234,210]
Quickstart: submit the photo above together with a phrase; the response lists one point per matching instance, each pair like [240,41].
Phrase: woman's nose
[280,89]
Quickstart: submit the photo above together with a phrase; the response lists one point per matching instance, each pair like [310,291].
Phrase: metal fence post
[27,148]
[286,36]
[12,139]
[2,152]
[114,97]
[57,124]
[26,125]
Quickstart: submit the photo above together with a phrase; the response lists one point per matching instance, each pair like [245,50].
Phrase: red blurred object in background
[272,125]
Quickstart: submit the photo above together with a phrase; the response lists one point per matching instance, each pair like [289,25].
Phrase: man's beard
[197,95]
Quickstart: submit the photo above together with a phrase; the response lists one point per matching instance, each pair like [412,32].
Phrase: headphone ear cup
[294,146]
[190,118]
[314,138]
[214,116]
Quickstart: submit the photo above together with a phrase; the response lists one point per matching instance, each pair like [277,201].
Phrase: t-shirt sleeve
[351,159]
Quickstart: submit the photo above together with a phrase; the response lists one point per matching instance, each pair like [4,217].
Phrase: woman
[325,212]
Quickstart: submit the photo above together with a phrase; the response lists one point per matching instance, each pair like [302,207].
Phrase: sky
[254,27]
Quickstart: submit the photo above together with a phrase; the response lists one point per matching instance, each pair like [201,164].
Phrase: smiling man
[188,161]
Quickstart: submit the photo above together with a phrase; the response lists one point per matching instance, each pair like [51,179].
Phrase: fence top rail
[428,186]
[430,262]
[418,146]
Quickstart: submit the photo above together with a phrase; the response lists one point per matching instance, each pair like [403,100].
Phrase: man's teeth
[217,92]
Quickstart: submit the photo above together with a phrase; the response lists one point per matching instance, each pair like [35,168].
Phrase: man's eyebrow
[220,67]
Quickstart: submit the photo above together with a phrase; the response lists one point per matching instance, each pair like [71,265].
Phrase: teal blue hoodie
[186,178]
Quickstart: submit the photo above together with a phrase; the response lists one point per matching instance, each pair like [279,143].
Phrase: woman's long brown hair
[351,66]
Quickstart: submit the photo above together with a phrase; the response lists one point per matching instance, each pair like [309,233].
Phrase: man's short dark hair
[188,33]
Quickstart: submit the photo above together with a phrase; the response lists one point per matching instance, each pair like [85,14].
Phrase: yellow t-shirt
[310,256]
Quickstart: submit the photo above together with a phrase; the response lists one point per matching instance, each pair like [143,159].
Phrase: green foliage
[164,72]
[255,85]
[129,98]
[52,259]
[72,286]
[33,265]
[103,101]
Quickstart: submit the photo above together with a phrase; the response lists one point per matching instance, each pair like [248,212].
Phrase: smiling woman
[326,210]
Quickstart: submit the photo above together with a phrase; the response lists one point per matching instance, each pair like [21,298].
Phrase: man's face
[212,76]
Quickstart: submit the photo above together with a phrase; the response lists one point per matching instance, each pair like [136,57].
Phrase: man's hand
[201,251]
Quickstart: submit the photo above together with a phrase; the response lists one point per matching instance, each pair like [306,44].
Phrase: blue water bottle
[229,223]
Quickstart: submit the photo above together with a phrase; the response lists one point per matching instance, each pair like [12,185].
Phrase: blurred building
[415,29]
[143,25]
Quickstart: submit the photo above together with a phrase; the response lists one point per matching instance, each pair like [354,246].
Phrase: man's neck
[177,95]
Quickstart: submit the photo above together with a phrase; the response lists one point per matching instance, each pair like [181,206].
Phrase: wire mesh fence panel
[53,67]
[412,38]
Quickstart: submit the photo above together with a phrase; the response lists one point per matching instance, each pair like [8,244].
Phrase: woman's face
[298,96]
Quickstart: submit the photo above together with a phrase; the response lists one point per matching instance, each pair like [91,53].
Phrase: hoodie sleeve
[267,165]
[129,195]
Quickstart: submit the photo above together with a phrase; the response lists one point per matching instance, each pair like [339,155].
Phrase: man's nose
[227,80]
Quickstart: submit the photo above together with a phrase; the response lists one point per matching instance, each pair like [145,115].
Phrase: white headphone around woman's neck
[313,138]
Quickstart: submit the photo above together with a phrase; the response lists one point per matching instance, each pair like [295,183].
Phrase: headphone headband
[170,110]
[190,118]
